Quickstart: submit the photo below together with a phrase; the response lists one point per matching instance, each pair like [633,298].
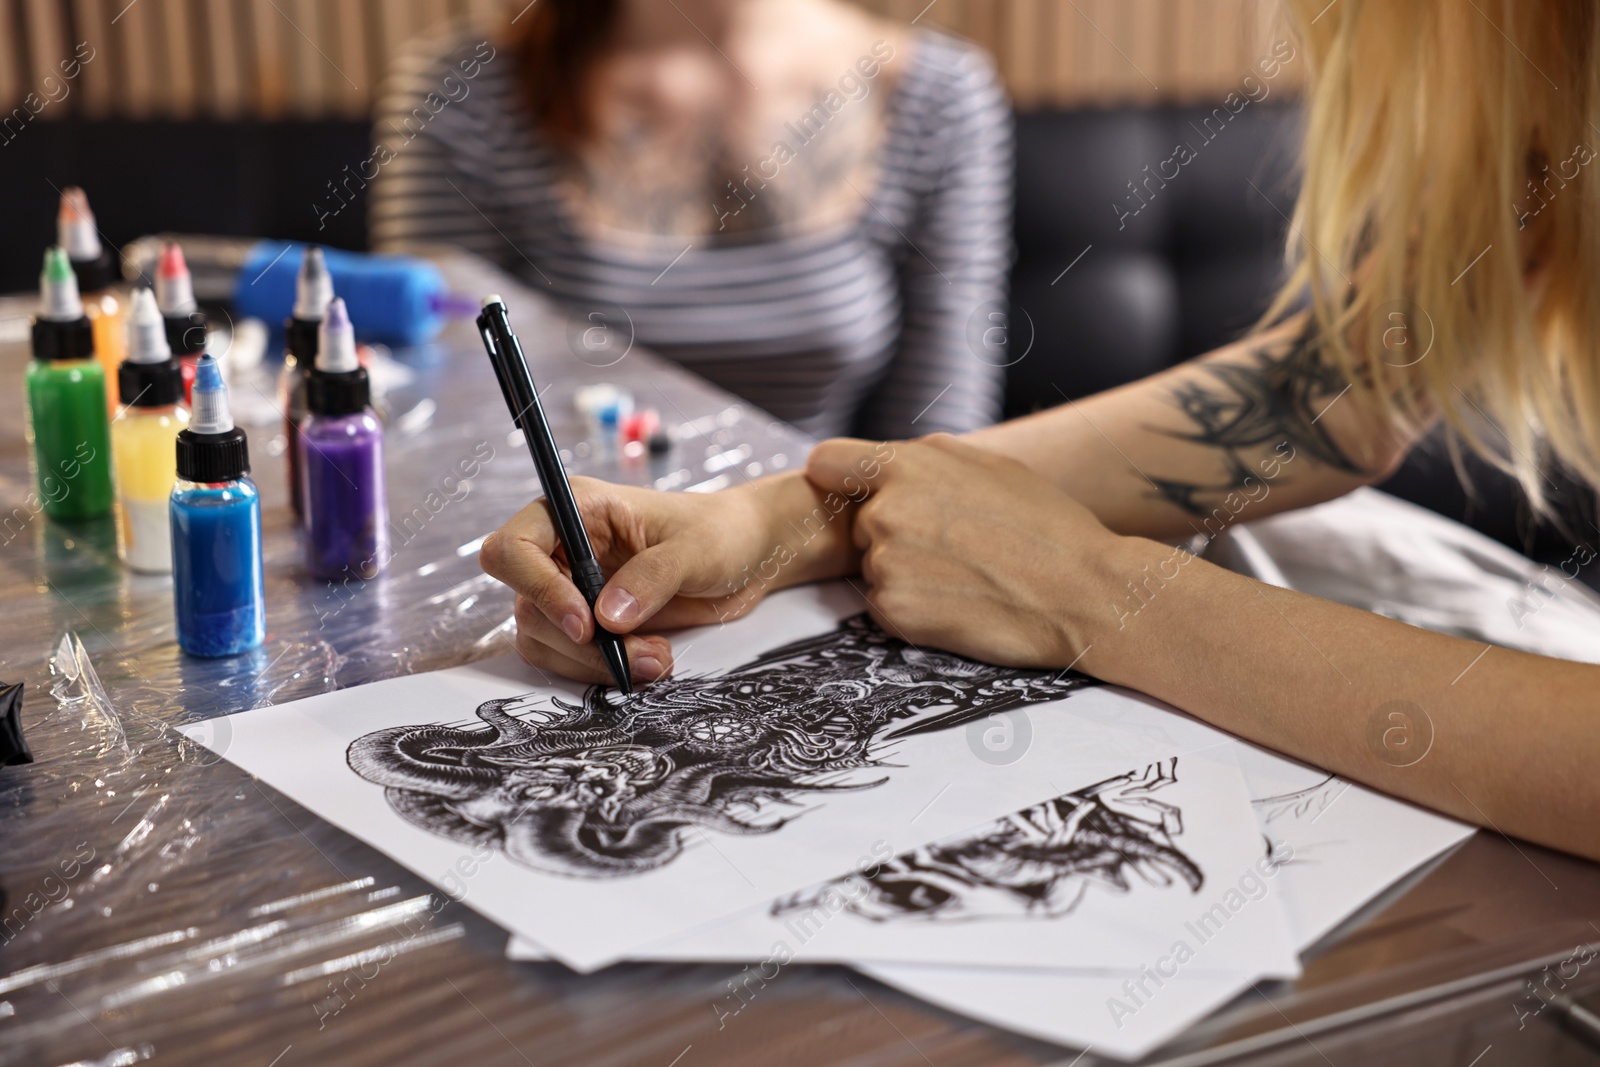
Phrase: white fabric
[1379,553]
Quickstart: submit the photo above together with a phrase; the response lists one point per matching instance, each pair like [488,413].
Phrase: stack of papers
[1066,859]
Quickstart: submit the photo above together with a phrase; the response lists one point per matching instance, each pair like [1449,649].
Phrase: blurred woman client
[789,197]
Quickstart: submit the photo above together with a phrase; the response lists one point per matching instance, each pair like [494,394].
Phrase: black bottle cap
[186,334]
[213,457]
[344,393]
[150,385]
[63,340]
[300,339]
[95,275]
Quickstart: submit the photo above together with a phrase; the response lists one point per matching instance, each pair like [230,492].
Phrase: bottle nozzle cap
[174,284]
[58,288]
[147,330]
[313,286]
[209,400]
[336,341]
[75,229]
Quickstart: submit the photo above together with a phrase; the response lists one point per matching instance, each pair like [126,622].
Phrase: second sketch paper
[1339,847]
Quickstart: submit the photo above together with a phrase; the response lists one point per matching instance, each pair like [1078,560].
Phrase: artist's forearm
[1514,736]
[1252,429]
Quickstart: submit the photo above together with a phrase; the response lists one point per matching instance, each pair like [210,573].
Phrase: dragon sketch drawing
[612,786]
[1037,863]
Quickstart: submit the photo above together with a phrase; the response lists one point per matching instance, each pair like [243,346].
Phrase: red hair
[557,50]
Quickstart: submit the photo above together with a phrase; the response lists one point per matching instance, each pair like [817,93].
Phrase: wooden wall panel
[353,57]
[136,29]
[46,43]
[181,67]
[222,63]
[97,84]
[304,68]
[13,53]
[1023,51]
[269,61]
[310,58]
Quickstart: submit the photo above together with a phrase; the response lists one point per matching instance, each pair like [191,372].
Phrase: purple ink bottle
[341,460]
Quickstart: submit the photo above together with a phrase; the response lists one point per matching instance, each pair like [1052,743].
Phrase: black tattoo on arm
[1276,402]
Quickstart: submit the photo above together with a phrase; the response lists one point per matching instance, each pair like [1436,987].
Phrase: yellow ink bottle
[144,439]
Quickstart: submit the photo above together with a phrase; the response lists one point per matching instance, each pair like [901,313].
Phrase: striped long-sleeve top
[882,326]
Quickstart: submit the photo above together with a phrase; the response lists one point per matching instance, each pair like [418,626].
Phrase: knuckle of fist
[888,519]
[868,517]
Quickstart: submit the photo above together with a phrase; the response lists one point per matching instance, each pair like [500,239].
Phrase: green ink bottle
[68,433]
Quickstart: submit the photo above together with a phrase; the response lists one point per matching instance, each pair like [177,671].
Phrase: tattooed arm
[1261,426]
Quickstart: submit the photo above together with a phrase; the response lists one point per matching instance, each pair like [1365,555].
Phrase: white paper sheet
[625,836]
[1344,845]
[1348,843]
[1165,862]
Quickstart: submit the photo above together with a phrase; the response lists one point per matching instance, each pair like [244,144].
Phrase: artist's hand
[674,560]
[972,552]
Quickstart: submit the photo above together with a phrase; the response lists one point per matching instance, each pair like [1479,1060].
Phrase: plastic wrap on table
[162,906]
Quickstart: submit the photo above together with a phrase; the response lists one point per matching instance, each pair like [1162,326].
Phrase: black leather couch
[1123,272]
[1112,295]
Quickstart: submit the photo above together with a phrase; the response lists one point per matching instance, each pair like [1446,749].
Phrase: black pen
[511,368]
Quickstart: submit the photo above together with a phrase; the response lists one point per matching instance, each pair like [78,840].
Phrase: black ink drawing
[613,785]
[1035,864]
[1308,803]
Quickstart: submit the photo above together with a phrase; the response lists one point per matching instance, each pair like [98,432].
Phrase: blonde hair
[1452,193]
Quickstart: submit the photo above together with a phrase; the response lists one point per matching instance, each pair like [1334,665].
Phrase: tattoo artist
[1015,544]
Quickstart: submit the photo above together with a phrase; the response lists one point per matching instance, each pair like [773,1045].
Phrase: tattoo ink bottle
[66,394]
[96,274]
[185,325]
[142,438]
[341,460]
[216,529]
[313,291]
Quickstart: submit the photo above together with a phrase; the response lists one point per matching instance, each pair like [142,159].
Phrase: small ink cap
[147,330]
[336,341]
[174,283]
[75,230]
[58,288]
[313,287]
[210,413]
[212,449]
[337,384]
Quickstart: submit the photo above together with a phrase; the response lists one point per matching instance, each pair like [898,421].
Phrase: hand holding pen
[516,384]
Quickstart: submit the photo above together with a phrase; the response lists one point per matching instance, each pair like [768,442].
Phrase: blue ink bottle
[341,461]
[217,585]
